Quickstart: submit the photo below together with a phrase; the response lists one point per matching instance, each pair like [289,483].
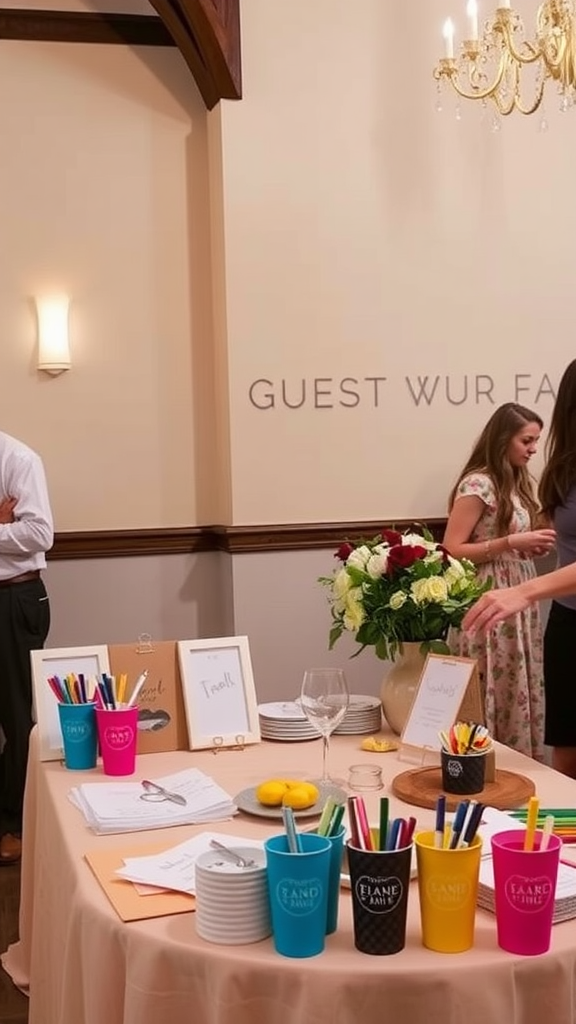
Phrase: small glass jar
[363,777]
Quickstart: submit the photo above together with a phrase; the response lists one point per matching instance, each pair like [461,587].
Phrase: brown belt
[24,577]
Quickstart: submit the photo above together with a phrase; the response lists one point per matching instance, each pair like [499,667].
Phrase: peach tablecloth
[85,966]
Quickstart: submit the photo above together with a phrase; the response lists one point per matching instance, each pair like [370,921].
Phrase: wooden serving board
[423,786]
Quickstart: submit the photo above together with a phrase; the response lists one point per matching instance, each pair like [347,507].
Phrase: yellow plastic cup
[448,887]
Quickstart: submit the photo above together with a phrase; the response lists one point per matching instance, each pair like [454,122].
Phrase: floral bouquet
[400,588]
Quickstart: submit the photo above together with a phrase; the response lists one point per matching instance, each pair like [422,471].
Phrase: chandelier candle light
[492,65]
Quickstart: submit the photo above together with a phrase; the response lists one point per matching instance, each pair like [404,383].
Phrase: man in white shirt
[26,534]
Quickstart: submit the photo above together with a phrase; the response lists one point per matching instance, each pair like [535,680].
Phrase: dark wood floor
[13,1005]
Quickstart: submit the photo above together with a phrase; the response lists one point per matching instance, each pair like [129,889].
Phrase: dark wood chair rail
[230,539]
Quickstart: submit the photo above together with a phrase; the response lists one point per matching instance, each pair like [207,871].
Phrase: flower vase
[400,685]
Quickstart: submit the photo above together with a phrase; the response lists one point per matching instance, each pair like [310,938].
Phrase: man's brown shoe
[10,849]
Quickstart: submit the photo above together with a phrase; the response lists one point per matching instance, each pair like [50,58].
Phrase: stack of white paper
[494,821]
[175,868]
[116,806]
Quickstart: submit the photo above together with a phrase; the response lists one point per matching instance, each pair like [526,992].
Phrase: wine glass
[324,699]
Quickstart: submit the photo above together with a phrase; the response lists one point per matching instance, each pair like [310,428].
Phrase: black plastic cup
[380,882]
[463,773]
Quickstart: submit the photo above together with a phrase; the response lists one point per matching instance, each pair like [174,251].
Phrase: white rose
[359,557]
[354,614]
[397,599]
[454,580]
[341,584]
[456,569]
[418,591]
[376,566]
[416,539]
[432,589]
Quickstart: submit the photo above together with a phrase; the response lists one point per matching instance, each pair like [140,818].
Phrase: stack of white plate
[232,901]
[364,715]
[285,720]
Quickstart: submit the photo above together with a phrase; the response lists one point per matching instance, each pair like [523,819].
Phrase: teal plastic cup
[336,857]
[298,885]
[79,735]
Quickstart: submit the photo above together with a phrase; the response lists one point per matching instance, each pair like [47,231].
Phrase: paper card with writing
[161,716]
[123,895]
[219,692]
[448,690]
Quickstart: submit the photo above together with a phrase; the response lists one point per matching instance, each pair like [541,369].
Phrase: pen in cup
[532,818]
[472,826]
[294,844]
[325,817]
[137,687]
[440,817]
[547,832]
[458,824]
[383,833]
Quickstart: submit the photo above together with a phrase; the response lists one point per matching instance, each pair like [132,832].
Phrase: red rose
[402,556]
[391,537]
[344,551]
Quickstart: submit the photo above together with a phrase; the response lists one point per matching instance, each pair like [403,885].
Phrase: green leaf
[335,634]
[438,647]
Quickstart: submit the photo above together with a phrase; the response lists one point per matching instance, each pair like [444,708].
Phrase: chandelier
[494,65]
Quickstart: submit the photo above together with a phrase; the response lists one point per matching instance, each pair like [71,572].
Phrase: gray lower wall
[273,598]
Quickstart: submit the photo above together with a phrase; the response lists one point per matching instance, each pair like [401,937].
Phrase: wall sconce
[53,346]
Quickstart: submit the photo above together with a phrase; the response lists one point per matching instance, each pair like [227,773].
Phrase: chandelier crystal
[494,65]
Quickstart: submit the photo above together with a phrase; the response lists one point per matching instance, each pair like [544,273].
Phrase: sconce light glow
[53,345]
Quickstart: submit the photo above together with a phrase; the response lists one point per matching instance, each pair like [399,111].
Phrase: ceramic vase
[400,685]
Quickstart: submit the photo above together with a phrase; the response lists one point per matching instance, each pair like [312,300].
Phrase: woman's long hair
[490,455]
[560,470]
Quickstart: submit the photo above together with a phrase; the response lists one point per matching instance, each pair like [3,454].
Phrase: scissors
[155,793]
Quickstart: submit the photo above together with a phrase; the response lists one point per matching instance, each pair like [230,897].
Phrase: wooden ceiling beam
[207,33]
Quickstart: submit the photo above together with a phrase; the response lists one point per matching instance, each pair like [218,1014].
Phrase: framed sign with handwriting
[219,693]
[449,689]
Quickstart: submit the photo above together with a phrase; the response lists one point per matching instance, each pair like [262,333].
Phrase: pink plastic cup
[118,732]
[525,888]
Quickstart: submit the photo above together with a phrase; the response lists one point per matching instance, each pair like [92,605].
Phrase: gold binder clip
[145,645]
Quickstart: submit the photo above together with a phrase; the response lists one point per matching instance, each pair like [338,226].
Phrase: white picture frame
[219,692]
[59,661]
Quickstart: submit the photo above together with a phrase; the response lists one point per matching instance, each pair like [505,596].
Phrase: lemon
[380,746]
[313,791]
[300,797]
[270,793]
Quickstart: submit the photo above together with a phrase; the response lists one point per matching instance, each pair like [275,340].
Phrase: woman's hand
[533,542]
[493,607]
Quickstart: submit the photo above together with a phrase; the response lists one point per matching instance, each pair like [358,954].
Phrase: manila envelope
[127,902]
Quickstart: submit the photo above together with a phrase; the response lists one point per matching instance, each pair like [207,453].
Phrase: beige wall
[330,228]
[104,195]
[370,236]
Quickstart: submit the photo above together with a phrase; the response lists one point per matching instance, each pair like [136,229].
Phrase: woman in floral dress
[493,522]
